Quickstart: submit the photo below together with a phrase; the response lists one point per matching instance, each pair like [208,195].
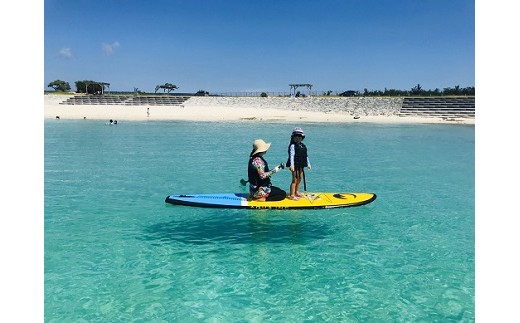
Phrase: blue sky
[228,46]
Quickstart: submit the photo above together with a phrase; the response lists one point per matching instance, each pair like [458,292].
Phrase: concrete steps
[125,100]
[449,107]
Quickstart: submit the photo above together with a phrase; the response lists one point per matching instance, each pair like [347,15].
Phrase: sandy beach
[247,110]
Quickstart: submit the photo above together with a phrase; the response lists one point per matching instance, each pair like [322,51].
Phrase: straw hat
[298,131]
[260,146]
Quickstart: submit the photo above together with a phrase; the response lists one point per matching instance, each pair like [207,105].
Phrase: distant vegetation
[166,87]
[415,91]
[202,93]
[93,87]
[419,91]
[85,86]
[60,86]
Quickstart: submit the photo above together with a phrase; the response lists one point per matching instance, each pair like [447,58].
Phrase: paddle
[276,169]
[304,182]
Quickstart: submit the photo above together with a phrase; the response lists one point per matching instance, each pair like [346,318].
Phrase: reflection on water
[244,227]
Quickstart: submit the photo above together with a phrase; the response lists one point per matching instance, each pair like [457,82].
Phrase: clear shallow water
[114,251]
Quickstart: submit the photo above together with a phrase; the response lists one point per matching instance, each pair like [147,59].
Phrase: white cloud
[66,53]
[109,49]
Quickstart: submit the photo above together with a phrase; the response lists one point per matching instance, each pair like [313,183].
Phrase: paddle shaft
[304,182]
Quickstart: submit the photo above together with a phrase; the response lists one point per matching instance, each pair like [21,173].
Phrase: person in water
[259,175]
[296,161]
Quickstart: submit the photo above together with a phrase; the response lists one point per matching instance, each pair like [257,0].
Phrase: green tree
[202,93]
[59,86]
[417,89]
[167,87]
[90,87]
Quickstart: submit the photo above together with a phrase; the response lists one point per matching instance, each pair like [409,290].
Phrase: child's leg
[292,189]
[299,173]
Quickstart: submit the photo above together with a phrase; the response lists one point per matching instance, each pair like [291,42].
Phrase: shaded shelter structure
[101,84]
[294,87]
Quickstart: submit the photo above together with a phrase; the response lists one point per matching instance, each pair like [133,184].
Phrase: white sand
[222,112]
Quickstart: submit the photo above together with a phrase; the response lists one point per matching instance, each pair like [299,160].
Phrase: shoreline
[248,110]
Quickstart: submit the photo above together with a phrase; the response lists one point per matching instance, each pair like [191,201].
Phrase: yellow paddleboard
[309,200]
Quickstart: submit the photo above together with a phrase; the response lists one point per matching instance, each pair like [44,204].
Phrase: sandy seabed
[189,112]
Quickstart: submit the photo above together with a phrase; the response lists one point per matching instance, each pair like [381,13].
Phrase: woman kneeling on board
[259,175]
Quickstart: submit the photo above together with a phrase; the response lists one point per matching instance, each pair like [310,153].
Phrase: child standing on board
[297,160]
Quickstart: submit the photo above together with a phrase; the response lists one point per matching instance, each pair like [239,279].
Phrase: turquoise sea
[116,252]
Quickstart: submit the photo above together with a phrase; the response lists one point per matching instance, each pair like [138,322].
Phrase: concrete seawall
[362,106]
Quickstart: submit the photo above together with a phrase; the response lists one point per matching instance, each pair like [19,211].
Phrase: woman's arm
[259,165]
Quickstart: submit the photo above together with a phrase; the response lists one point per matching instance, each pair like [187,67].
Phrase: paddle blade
[243,182]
